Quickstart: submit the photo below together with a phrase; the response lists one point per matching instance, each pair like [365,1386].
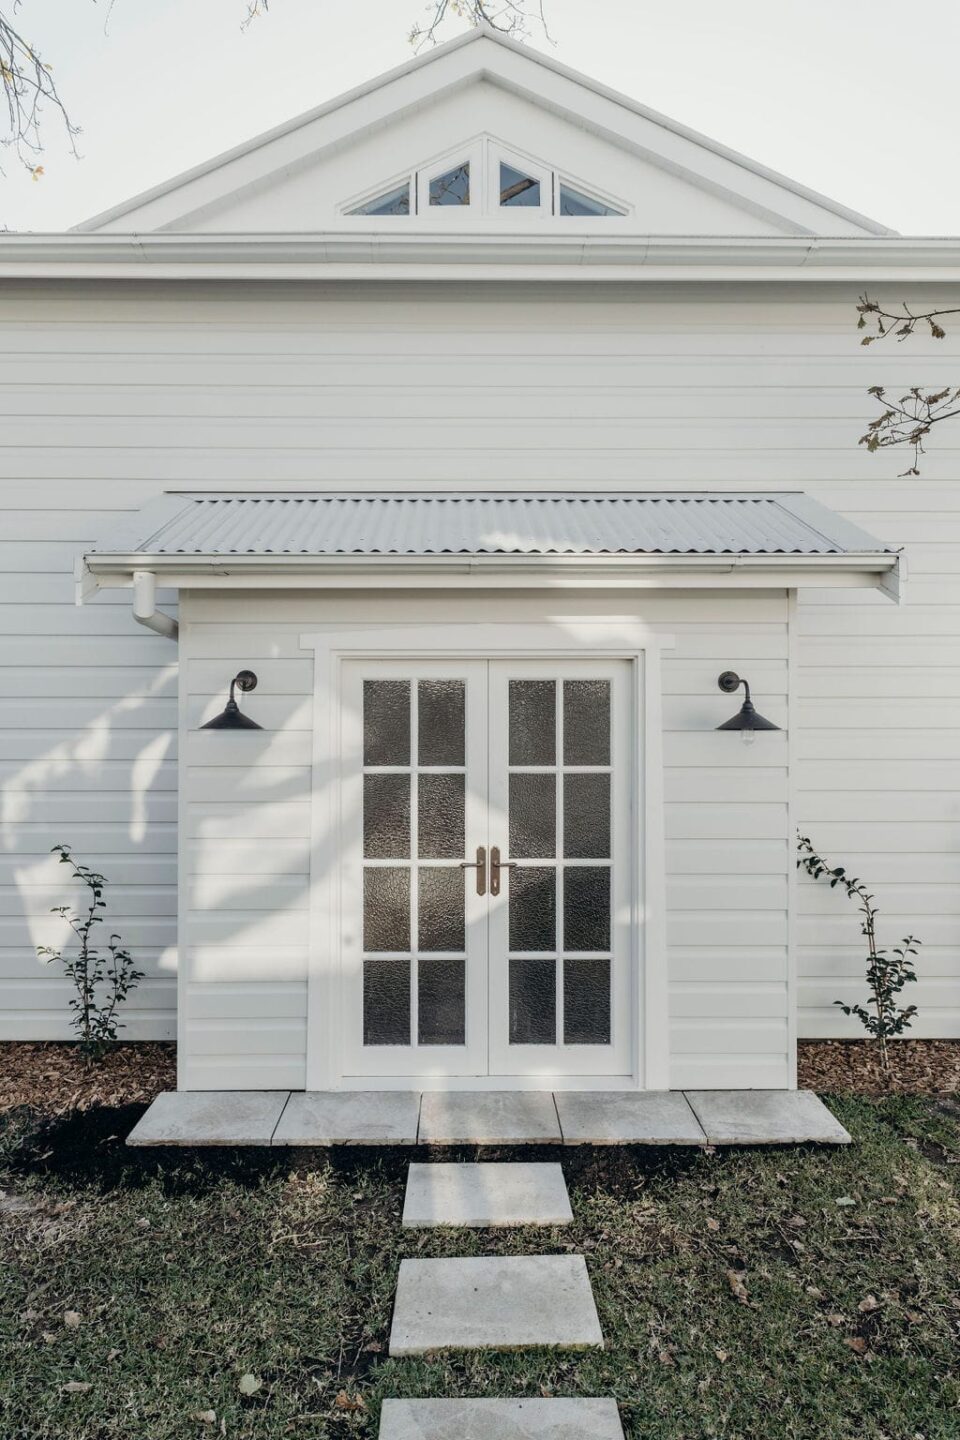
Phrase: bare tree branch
[901,323]
[909,420]
[517,18]
[29,89]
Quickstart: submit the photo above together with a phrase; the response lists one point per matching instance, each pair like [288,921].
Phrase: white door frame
[571,640]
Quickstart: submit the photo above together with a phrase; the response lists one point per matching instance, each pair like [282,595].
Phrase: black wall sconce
[231,717]
[747,720]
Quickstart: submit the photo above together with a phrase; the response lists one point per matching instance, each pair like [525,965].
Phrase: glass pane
[533,908]
[386,908]
[533,1002]
[386,722]
[574,202]
[517,188]
[441,707]
[451,188]
[393,202]
[386,1002]
[532,710]
[441,1003]
[586,907]
[533,815]
[440,817]
[586,1002]
[586,722]
[440,909]
[386,817]
[586,817]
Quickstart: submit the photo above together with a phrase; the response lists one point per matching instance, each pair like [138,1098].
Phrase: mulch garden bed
[918,1067]
[56,1078]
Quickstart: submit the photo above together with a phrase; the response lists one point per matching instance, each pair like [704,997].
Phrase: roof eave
[584,253]
[778,571]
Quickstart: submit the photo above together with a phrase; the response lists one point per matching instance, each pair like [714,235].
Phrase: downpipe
[145,610]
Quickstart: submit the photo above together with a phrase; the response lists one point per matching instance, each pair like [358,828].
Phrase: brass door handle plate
[496,865]
[480,865]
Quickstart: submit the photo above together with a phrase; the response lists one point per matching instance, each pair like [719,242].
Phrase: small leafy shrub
[887,971]
[102,976]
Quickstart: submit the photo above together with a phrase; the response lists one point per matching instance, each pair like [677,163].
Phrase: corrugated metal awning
[233,532]
[309,523]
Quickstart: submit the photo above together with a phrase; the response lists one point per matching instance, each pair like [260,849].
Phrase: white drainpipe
[145,606]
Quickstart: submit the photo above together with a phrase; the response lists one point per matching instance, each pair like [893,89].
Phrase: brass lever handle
[480,865]
[496,865]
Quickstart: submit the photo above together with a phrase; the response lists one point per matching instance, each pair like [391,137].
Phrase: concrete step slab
[210,1117]
[765,1117]
[494,1303]
[500,1420]
[486,1194]
[492,1117]
[350,1117]
[624,1117]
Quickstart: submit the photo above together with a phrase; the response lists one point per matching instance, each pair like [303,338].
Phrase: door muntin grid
[414,951]
[559,820]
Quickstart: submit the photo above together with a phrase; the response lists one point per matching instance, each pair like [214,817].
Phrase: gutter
[581,254]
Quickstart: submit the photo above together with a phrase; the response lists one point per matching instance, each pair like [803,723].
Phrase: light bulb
[748,736]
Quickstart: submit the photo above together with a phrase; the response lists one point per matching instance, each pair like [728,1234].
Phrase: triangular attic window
[390,202]
[492,180]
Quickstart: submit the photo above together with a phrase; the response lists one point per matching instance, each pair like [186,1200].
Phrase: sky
[855,98]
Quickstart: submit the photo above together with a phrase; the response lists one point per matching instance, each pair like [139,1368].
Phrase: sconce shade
[747,717]
[231,717]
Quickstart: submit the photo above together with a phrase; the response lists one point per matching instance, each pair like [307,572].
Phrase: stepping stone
[500,1420]
[491,1117]
[487,1194]
[210,1117]
[623,1117]
[350,1117]
[494,1303]
[765,1117]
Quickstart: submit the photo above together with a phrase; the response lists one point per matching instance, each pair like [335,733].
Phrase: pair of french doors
[487,868]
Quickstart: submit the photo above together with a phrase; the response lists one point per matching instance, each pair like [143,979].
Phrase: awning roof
[226,532]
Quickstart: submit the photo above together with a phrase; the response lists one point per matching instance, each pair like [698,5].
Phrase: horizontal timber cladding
[111,393]
[246,815]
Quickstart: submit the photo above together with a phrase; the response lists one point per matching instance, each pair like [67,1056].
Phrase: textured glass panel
[440,817]
[574,202]
[440,908]
[386,722]
[386,817]
[394,202]
[586,817]
[452,187]
[440,705]
[533,815]
[440,1002]
[533,1002]
[386,908]
[386,1002]
[586,1002]
[586,907]
[533,908]
[532,709]
[516,188]
[586,722]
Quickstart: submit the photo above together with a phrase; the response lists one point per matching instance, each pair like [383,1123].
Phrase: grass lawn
[744,1294]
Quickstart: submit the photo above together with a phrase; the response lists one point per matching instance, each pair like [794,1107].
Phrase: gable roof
[485,54]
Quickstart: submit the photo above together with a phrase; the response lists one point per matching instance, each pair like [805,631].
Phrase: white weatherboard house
[487,418]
